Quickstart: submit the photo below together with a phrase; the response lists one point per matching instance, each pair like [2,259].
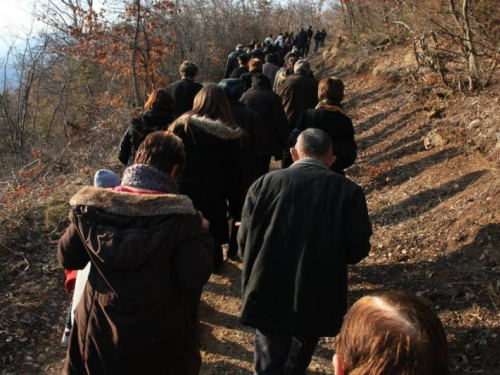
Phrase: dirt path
[436,233]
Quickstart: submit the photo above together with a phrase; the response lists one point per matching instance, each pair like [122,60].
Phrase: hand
[205,224]
[237,224]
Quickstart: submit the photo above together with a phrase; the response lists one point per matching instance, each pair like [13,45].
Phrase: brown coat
[150,258]
[298,93]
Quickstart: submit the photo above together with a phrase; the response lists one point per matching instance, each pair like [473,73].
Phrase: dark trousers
[280,354]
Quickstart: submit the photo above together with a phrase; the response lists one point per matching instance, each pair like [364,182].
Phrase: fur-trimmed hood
[129,204]
[215,128]
[125,230]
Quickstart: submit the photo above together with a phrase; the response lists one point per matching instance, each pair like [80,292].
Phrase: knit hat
[105,178]
[144,176]
[232,87]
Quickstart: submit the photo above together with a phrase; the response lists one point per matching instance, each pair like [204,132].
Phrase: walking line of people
[197,178]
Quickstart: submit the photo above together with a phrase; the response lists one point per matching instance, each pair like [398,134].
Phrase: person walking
[302,40]
[317,40]
[184,90]
[243,68]
[300,228]
[298,92]
[212,177]
[232,60]
[284,72]
[330,116]
[254,67]
[270,68]
[151,254]
[158,115]
[323,37]
[273,131]
[310,33]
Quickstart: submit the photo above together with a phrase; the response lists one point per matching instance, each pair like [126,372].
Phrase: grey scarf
[144,176]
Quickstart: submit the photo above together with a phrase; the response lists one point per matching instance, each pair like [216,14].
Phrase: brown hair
[331,88]
[211,101]
[392,333]
[161,100]
[255,65]
[188,69]
[162,150]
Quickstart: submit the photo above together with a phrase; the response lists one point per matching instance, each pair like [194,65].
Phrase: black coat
[300,228]
[340,129]
[232,62]
[250,122]
[258,54]
[246,79]
[184,92]
[212,176]
[273,131]
[148,122]
[238,72]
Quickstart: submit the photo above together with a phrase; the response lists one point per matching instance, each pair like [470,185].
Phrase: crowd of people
[197,178]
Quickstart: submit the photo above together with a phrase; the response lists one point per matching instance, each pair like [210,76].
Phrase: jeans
[280,354]
[316,45]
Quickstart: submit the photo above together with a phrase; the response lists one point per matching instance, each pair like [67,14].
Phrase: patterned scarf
[329,107]
[144,176]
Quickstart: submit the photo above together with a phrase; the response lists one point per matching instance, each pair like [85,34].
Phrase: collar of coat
[214,127]
[130,204]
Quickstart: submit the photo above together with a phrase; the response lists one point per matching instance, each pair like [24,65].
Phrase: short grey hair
[314,143]
[302,65]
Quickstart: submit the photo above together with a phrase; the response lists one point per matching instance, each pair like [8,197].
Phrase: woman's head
[332,89]
[255,65]
[163,151]
[391,333]
[160,100]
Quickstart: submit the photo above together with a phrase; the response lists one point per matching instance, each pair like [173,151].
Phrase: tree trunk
[138,97]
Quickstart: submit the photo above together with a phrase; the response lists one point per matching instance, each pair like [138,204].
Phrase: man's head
[243,59]
[261,80]
[240,47]
[302,66]
[270,58]
[188,69]
[291,61]
[255,65]
[391,333]
[163,151]
[314,143]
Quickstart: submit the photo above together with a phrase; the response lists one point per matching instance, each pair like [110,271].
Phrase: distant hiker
[330,117]
[185,89]
[151,255]
[243,68]
[268,50]
[280,40]
[302,40]
[269,39]
[284,72]
[257,53]
[254,66]
[250,122]
[391,333]
[158,115]
[252,44]
[298,92]
[272,132]
[232,60]
[300,228]
[323,37]
[293,53]
[317,40]
[270,68]
[310,33]
[212,177]
[291,38]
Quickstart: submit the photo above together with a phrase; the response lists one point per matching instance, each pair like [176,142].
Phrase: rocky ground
[436,216]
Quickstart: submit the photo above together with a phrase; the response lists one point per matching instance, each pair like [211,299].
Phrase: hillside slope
[436,222]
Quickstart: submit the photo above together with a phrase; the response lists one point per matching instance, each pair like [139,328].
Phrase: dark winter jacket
[310,33]
[183,92]
[246,79]
[258,54]
[270,69]
[340,129]
[250,122]
[150,258]
[238,72]
[302,37]
[300,228]
[298,93]
[212,176]
[148,122]
[273,130]
[232,62]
